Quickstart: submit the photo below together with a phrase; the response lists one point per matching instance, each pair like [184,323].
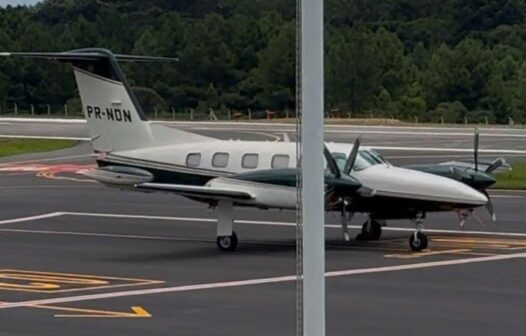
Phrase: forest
[451,60]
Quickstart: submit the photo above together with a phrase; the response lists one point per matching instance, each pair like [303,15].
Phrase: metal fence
[65,111]
[53,111]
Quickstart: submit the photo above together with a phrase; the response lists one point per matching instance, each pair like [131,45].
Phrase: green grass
[515,179]
[22,146]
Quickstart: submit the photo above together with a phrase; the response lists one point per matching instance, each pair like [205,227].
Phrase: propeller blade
[331,162]
[345,224]
[476,149]
[489,206]
[349,164]
[500,162]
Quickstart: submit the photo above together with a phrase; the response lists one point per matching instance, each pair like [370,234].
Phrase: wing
[204,193]
[498,165]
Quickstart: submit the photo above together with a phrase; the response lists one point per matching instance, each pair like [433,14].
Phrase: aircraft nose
[470,195]
[450,189]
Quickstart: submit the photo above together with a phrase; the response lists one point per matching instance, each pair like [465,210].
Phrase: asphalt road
[402,145]
[75,257]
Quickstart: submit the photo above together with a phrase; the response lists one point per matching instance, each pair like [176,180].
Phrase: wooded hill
[392,58]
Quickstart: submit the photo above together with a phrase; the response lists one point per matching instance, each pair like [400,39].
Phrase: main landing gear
[418,240]
[227,243]
[226,237]
[371,230]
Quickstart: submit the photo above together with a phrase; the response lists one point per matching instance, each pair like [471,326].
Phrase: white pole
[312,167]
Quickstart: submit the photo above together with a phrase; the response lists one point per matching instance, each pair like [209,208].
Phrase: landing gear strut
[226,237]
[418,241]
[371,230]
[346,217]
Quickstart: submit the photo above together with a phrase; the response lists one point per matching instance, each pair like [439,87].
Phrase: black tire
[227,243]
[418,244]
[370,232]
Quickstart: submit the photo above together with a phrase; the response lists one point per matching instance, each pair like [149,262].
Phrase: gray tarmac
[75,256]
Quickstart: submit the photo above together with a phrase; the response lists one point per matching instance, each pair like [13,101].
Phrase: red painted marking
[48,171]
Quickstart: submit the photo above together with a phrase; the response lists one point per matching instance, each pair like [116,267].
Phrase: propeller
[351,160]
[476,149]
[335,170]
[500,162]
[489,206]
[496,164]
[331,162]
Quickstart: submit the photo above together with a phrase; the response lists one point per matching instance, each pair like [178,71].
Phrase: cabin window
[193,159]
[280,161]
[250,161]
[220,160]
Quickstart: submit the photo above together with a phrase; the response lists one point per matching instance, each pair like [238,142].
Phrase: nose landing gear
[418,240]
[371,230]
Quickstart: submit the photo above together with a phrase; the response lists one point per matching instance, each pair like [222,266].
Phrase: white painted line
[468,130]
[248,222]
[185,219]
[31,218]
[448,149]
[194,240]
[45,137]
[449,156]
[427,134]
[289,224]
[364,131]
[105,235]
[45,120]
[252,282]
[508,196]
[459,232]
[509,190]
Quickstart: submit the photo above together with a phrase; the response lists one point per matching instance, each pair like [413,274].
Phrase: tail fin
[115,118]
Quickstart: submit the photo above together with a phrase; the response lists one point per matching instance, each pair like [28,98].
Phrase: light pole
[312,165]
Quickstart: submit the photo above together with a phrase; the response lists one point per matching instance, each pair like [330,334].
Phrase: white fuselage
[220,158]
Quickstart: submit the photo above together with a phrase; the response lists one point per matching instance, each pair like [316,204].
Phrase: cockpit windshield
[365,158]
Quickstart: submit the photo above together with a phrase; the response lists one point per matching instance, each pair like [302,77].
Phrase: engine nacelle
[119,175]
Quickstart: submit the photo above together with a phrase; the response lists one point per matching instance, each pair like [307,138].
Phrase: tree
[404,58]
[274,78]
[4,84]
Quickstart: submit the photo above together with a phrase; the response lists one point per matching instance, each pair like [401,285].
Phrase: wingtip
[5,54]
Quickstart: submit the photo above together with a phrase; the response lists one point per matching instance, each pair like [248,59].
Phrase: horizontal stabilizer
[87,55]
[498,165]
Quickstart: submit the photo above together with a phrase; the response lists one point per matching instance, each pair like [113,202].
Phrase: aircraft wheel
[419,243]
[370,231]
[227,243]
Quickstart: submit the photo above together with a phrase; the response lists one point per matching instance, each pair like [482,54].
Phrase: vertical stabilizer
[115,118]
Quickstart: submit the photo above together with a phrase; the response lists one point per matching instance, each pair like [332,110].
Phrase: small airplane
[135,154]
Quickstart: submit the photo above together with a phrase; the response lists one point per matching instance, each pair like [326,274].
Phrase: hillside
[387,58]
